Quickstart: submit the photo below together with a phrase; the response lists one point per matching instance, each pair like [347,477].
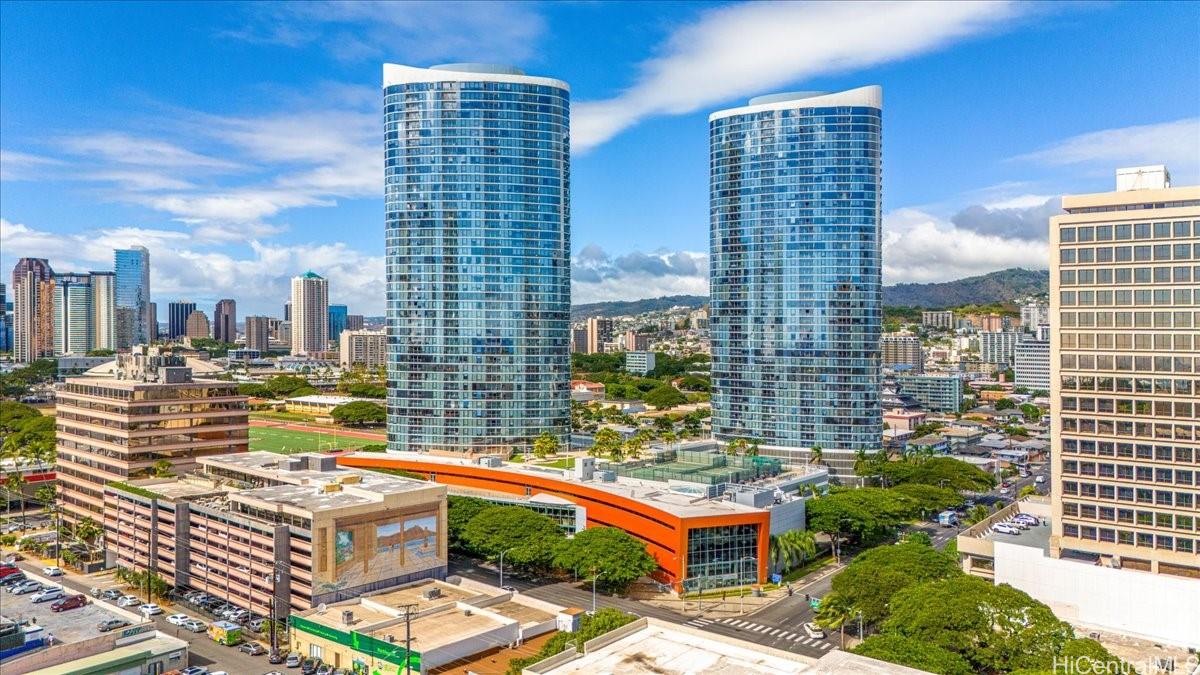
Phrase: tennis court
[287,441]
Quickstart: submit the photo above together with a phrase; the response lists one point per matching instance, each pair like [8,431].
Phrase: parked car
[25,587]
[1039,480]
[194,670]
[47,595]
[69,602]
[324,669]
[194,625]
[111,594]
[293,660]
[276,657]
[13,579]
[128,601]
[52,571]
[150,609]
[95,591]
[256,625]
[7,569]
[309,666]
[178,619]
[111,624]
[252,648]
[814,631]
[1005,529]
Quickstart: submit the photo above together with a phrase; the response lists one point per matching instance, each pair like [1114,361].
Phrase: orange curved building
[690,538]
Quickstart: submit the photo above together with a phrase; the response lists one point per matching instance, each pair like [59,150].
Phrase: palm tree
[752,447]
[833,614]
[162,468]
[816,455]
[790,549]
[87,530]
[16,483]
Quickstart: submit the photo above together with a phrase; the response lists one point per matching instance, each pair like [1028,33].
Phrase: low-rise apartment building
[255,526]
[940,393]
[365,348]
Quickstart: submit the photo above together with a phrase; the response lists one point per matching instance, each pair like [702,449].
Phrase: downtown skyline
[260,170]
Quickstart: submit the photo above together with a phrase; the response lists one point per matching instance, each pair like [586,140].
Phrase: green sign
[360,642]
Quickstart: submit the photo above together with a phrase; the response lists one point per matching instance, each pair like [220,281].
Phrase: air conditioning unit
[432,593]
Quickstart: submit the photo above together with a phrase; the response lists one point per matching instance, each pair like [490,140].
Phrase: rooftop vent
[347,617]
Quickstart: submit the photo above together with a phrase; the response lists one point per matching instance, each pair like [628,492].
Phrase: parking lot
[71,625]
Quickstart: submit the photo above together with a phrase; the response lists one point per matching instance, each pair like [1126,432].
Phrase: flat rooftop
[522,614]
[414,595]
[440,629]
[1035,537]
[653,493]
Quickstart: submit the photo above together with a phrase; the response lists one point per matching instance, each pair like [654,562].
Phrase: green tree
[941,471]
[1004,404]
[995,628]
[286,386]
[459,512]
[977,513]
[255,390]
[664,397]
[367,390]
[162,468]
[101,352]
[1027,491]
[906,651]
[864,514]
[528,538]
[737,446]
[546,444]
[88,531]
[605,620]
[833,613]
[15,484]
[1031,412]
[816,454]
[13,415]
[45,496]
[870,581]
[606,442]
[790,549]
[619,558]
[919,537]
[359,413]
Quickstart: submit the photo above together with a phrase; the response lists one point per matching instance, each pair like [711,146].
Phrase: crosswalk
[763,631]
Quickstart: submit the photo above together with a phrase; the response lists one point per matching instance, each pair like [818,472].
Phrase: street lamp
[741,576]
[595,575]
[502,566]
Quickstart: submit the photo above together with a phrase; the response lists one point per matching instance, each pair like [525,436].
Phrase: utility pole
[408,612]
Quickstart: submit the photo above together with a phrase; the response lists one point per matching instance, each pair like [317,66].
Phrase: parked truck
[948,519]
[225,632]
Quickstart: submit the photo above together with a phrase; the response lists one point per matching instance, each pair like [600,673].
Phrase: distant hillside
[988,288]
[630,307]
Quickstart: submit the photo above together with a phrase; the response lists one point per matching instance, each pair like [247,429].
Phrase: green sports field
[286,441]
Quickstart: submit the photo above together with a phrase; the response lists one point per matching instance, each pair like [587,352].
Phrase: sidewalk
[731,606]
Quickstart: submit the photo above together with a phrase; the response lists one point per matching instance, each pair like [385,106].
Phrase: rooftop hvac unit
[606,476]
[490,461]
[347,617]
[432,593]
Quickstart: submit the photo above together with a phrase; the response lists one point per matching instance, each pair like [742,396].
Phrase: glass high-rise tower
[477,179]
[132,318]
[795,273]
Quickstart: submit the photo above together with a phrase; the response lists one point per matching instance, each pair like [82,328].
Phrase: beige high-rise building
[258,333]
[144,408]
[366,348]
[1124,362]
[599,331]
[310,314]
[197,325]
[33,310]
[104,310]
[902,350]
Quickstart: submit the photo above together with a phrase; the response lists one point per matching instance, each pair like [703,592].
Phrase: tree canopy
[359,413]
[618,557]
[869,582]
[665,396]
[459,512]
[529,538]
[940,471]
[914,653]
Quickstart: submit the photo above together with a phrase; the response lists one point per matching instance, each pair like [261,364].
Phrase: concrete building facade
[310,314]
[942,320]
[365,348]
[1031,365]
[902,350]
[33,310]
[258,333]
[224,324]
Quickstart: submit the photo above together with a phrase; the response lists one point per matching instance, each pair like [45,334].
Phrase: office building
[153,328]
[33,310]
[998,347]
[197,325]
[1034,314]
[133,320]
[287,311]
[72,314]
[354,322]
[579,340]
[698,319]
[902,352]
[991,323]
[939,393]
[478,335]
[1124,293]
[362,348]
[636,342]
[1031,365]
[943,320]
[796,294]
[338,315]
[145,408]
[639,363]
[177,316]
[258,333]
[310,314]
[254,526]
[599,331]
[224,326]
[104,310]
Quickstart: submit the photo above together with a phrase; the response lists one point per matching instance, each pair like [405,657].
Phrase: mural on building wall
[371,550]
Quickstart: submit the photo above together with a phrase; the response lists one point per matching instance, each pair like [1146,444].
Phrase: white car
[128,601]
[47,595]
[194,625]
[1005,529]
[814,631]
[52,571]
[178,619]
[150,609]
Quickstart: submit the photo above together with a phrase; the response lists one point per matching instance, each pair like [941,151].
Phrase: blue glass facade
[795,271]
[478,257]
[337,321]
[132,290]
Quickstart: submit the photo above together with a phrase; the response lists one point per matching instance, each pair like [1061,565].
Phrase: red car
[7,569]
[69,602]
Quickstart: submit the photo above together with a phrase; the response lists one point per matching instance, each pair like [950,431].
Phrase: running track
[292,426]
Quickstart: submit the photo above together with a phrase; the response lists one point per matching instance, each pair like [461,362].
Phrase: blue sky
[241,142]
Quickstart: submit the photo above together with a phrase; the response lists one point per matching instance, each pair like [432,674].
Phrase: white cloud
[1176,144]
[920,247]
[755,48]
[180,268]
[419,31]
[23,165]
[597,276]
[121,148]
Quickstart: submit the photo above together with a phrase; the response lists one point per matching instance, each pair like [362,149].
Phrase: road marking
[825,645]
[777,631]
[728,620]
[808,641]
[790,636]
[760,629]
